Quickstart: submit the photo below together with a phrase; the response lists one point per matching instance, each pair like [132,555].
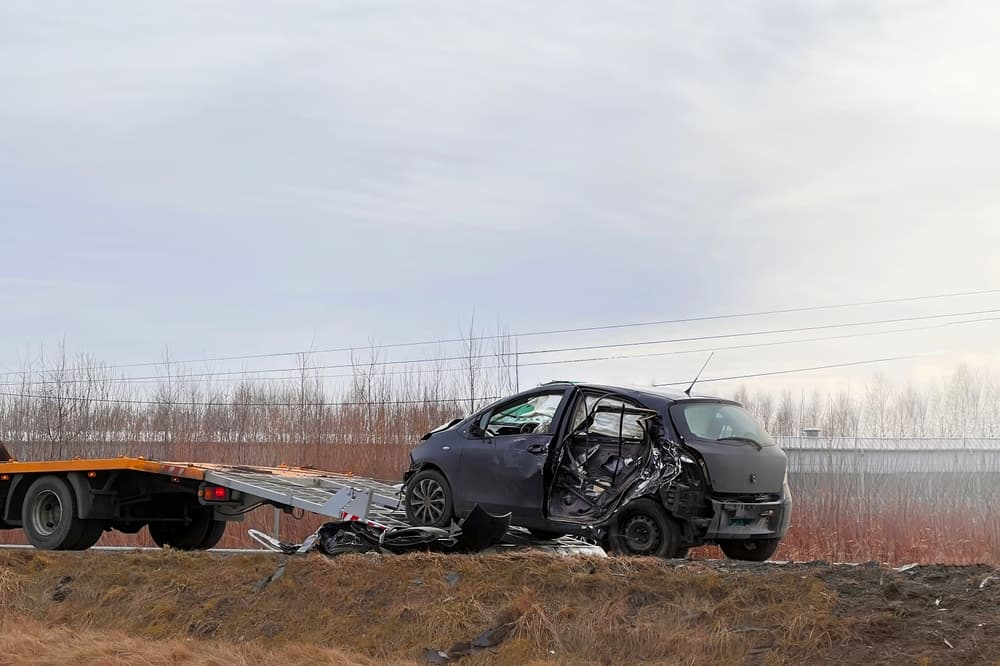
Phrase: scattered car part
[479,530]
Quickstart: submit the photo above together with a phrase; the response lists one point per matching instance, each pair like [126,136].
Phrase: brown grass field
[176,608]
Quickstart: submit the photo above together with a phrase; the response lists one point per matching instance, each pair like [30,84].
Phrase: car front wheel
[428,499]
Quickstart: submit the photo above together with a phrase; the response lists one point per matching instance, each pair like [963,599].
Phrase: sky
[203,179]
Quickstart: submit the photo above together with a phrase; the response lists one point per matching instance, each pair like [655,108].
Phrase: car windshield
[719,422]
[532,415]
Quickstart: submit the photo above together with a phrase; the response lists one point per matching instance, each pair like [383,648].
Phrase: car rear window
[718,421]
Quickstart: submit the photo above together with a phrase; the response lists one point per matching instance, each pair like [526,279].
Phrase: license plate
[741,522]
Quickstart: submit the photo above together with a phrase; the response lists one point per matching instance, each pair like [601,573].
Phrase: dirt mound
[543,608]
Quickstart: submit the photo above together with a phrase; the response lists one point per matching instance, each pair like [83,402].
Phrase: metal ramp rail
[348,497]
[337,496]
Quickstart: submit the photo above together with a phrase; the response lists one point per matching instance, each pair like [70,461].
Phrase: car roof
[638,392]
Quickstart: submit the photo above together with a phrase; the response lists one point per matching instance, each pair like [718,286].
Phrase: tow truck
[69,504]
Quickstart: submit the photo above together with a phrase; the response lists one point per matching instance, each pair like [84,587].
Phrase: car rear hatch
[740,457]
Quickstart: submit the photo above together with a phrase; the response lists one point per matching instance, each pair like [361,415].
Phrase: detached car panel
[644,472]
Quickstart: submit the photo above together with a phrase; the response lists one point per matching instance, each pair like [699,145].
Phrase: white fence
[867,455]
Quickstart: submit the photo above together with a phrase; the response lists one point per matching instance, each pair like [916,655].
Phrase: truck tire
[128,528]
[643,527]
[91,534]
[751,550]
[48,515]
[214,535]
[202,532]
[428,499]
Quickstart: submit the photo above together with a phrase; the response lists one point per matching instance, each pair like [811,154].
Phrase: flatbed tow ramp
[69,504]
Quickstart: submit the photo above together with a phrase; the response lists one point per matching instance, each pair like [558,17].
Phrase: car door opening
[610,448]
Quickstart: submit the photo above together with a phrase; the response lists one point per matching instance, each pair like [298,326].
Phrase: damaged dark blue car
[640,471]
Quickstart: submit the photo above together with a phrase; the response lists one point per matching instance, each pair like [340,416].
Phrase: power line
[184,403]
[794,370]
[720,336]
[615,357]
[195,403]
[603,327]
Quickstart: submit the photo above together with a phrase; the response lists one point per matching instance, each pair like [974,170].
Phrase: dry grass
[33,643]
[565,610]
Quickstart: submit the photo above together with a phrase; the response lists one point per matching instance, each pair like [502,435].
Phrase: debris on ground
[484,641]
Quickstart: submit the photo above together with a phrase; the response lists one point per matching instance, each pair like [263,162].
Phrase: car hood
[741,468]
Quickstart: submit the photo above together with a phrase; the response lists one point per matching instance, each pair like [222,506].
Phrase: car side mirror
[478,428]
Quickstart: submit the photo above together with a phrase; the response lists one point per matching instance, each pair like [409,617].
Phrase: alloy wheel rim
[428,501]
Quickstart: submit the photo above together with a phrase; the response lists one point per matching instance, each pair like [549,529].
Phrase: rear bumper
[758,520]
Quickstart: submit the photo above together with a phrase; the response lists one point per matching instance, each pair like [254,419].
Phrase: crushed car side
[700,479]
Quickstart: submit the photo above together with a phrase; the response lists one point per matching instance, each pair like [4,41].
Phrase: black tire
[751,550]
[48,515]
[544,534]
[198,534]
[128,528]
[91,534]
[214,536]
[643,527]
[428,499]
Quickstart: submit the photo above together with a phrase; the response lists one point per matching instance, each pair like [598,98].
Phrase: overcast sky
[232,178]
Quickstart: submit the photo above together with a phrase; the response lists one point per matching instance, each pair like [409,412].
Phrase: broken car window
[607,423]
[532,415]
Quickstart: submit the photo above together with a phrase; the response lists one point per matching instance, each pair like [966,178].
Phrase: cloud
[380,168]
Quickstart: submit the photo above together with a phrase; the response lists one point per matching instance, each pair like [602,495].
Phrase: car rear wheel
[428,499]
[751,550]
[48,515]
[644,527]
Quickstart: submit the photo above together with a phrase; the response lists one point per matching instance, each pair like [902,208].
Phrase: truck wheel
[202,532]
[48,515]
[128,528]
[91,534]
[428,499]
[644,527]
[214,536]
[751,550]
